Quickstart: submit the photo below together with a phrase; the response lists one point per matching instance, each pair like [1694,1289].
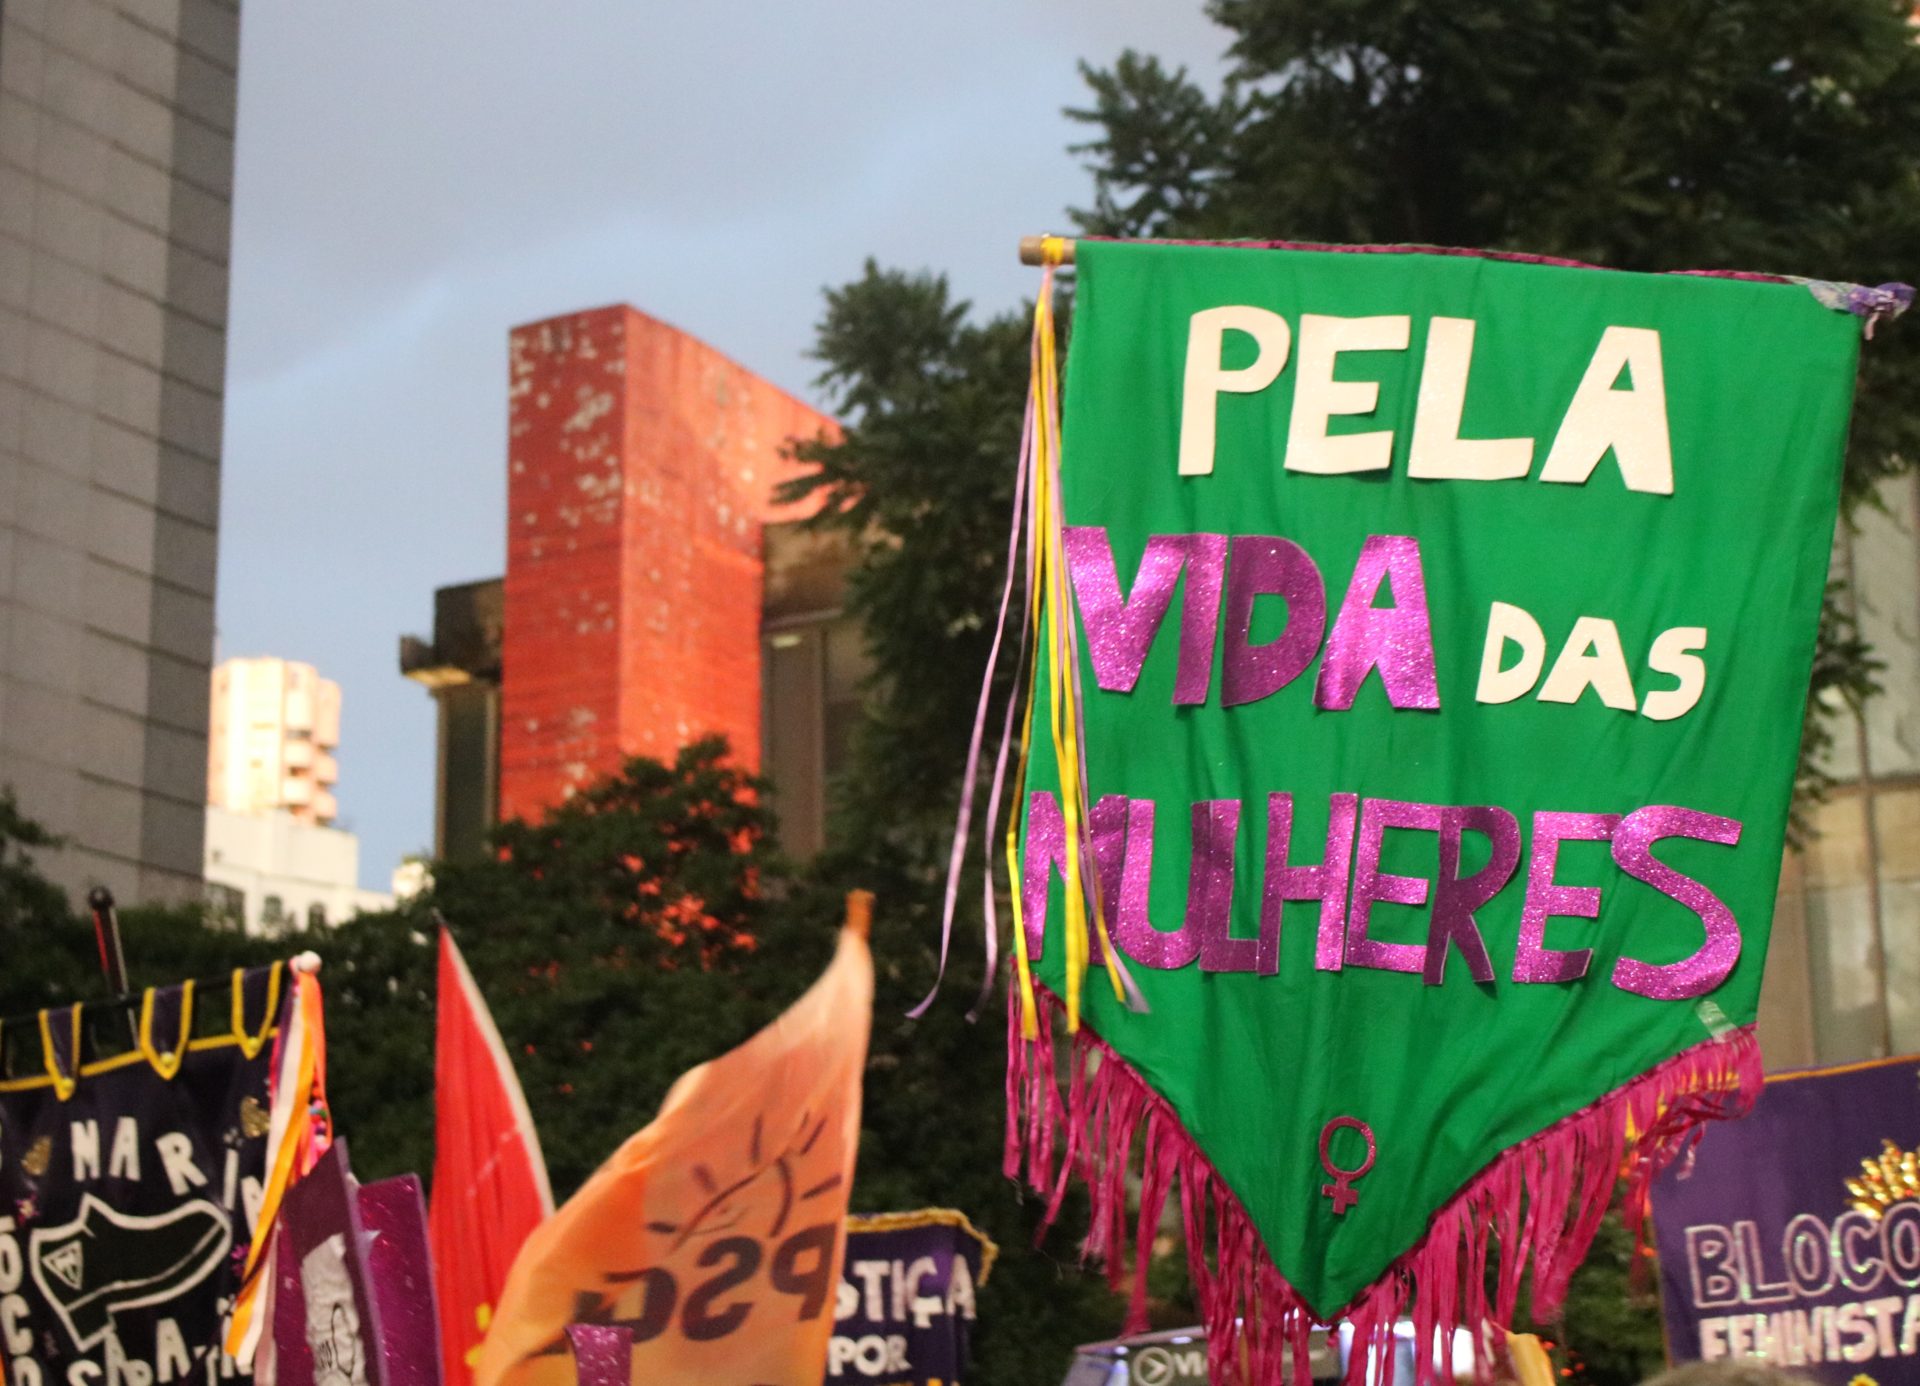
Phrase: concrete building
[460,666]
[1843,974]
[272,873]
[116,172]
[271,733]
[641,469]
[275,863]
[641,551]
[812,664]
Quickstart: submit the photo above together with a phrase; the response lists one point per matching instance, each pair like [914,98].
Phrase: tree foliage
[932,402]
[27,898]
[922,479]
[621,939]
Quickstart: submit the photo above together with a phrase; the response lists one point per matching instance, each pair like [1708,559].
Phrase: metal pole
[113,957]
[106,934]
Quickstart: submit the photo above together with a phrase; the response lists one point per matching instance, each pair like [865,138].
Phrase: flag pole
[113,956]
[106,934]
[860,912]
[1033,249]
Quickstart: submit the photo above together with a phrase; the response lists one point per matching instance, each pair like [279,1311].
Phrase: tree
[27,899]
[923,479]
[923,476]
[623,938]
[646,926]
[643,927]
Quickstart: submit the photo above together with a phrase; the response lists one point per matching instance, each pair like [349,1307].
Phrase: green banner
[1445,626]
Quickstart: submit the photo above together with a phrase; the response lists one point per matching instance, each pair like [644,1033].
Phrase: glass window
[848,666]
[1841,935]
[226,906]
[1886,588]
[1842,757]
[791,714]
[1896,824]
[316,915]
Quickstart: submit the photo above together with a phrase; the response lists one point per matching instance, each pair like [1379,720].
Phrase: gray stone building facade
[116,178]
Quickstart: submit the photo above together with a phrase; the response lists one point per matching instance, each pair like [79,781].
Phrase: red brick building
[635,609]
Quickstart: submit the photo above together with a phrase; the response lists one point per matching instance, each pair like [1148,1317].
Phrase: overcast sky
[414,178]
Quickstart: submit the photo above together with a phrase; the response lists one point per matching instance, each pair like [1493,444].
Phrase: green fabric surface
[1758,381]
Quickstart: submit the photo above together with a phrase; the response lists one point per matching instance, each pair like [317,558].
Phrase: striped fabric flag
[489,1179]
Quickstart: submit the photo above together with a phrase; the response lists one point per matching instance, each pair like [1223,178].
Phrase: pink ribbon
[964,821]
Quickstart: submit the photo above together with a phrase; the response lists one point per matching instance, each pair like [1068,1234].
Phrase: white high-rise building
[275,863]
[271,735]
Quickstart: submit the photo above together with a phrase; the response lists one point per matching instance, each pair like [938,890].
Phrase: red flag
[489,1179]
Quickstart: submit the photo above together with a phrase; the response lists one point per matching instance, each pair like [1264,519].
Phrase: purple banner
[906,1300]
[353,1297]
[1795,1234]
[130,1181]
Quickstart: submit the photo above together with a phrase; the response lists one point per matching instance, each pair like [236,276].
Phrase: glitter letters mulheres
[1633,849]
[1133,931]
[1371,885]
[1455,899]
[1046,852]
[1533,961]
[1216,825]
[1398,640]
[1260,565]
[1326,882]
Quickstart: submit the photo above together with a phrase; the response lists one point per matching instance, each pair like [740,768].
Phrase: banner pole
[106,935]
[1032,249]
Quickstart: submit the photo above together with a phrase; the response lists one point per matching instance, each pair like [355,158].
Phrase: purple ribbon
[963,823]
[1873,303]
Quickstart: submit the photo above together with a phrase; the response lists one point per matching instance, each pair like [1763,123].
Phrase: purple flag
[1795,1235]
[353,1292]
[906,1301]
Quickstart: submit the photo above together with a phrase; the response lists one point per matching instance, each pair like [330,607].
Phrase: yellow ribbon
[252,1043]
[1052,598]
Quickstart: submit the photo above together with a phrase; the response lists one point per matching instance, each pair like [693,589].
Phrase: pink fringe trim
[1544,1198]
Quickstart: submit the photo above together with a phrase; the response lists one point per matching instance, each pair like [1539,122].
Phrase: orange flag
[716,1233]
[489,1178]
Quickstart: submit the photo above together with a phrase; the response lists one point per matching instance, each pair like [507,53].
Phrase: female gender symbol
[1341,1189]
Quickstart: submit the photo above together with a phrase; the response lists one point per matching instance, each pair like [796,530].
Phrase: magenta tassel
[1540,1201]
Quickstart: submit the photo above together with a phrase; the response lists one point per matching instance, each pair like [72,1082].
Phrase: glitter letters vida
[1396,782]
